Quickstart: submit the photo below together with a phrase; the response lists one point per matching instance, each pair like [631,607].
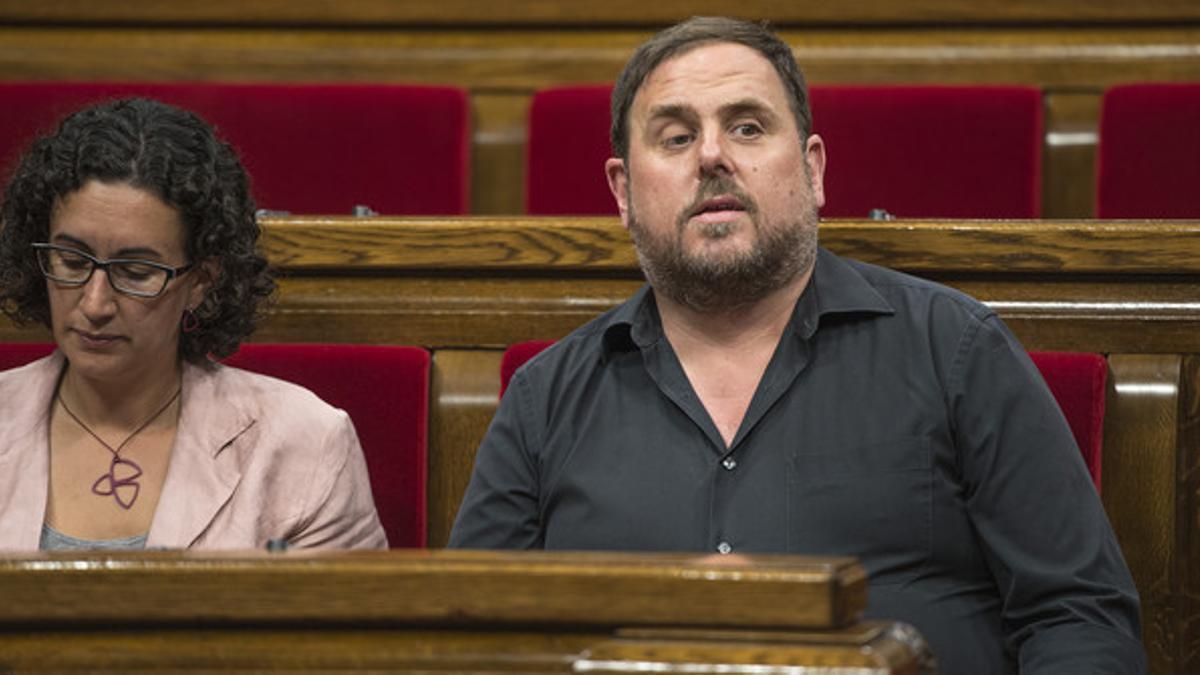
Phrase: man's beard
[717,283]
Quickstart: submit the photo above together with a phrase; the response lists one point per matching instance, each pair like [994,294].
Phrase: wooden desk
[444,611]
[465,288]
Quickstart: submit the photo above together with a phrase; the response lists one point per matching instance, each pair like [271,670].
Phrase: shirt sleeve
[1069,603]
[343,513]
[501,508]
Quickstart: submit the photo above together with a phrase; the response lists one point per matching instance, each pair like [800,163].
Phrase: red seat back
[15,354]
[1079,384]
[1077,381]
[941,152]
[568,145]
[931,152]
[1148,159]
[385,390]
[309,148]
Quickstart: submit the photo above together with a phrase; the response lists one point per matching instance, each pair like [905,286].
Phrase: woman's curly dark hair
[174,155]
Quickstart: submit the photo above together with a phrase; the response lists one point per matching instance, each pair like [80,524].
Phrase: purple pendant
[120,482]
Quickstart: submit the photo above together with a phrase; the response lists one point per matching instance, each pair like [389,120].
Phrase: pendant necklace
[110,483]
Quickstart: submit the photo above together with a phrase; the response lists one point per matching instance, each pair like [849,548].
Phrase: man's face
[719,193]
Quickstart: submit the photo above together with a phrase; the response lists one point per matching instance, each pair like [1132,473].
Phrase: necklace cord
[108,483]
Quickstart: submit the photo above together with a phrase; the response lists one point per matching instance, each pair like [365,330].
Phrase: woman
[130,233]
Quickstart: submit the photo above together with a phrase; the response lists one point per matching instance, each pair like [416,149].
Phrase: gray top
[899,421]
[53,540]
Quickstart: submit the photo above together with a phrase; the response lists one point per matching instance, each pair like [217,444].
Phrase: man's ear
[618,184]
[207,272]
[814,159]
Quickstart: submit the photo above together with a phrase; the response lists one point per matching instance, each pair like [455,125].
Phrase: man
[764,395]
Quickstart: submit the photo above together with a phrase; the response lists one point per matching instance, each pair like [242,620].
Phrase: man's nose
[714,153]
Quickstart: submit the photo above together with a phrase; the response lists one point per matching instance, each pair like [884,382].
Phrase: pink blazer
[255,458]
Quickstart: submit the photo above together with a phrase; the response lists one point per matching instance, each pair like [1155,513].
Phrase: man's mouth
[718,208]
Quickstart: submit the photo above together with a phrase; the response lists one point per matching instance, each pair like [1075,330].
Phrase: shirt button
[724,548]
[729,463]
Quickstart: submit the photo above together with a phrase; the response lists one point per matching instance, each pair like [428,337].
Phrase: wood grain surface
[592,12]
[433,587]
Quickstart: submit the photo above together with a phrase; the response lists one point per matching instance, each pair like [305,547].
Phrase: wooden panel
[442,611]
[593,12]
[869,649]
[434,587]
[533,244]
[523,60]
[1188,516]
[466,388]
[1069,158]
[498,152]
[473,283]
[1140,493]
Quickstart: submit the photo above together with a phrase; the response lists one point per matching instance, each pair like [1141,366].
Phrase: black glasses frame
[97,263]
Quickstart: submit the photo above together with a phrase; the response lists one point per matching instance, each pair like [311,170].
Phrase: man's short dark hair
[696,32]
[170,153]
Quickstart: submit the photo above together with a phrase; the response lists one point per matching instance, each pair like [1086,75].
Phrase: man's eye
[677,140]
[747,130]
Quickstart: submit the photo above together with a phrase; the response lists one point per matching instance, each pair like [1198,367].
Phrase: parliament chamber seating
[1149,152]
[309,148]
[1077,381]
[466,287]
[384,389]
[913,151]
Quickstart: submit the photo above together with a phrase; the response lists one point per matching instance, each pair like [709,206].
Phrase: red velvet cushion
[1076,380]
[515,356]
[309,148]
[1078,384]
[568,145]
[1148,162]
[949,152]
[931,152]
[15,354]
[385,390]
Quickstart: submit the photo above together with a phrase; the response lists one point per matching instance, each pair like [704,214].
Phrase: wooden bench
[466,288]
[502,52]
[445,611]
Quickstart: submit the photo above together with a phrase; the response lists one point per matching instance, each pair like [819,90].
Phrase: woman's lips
[96,340]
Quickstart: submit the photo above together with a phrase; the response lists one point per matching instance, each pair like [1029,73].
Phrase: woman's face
[105,334]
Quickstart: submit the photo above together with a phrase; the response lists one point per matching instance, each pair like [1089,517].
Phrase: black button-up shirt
[898,421]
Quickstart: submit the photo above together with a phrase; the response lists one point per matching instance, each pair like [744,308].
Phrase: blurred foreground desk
[444,612]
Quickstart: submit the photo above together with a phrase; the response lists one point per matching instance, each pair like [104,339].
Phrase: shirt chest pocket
[872,501]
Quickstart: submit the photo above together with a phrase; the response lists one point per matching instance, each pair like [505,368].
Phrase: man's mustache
[713,186]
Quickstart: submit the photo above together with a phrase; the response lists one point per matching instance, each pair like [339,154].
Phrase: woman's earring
[190,321]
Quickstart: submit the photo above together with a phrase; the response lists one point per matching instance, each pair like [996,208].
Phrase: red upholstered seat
[1077,381]
[384,389]
[931,152]
[515,356]
[1148,161]
[309,148]
[943,152]
[568,145]
[14,354]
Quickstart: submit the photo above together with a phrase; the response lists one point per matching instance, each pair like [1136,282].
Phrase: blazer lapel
[201,477]
[25,452]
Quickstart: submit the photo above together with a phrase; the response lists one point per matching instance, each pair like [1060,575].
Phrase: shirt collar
[835,288]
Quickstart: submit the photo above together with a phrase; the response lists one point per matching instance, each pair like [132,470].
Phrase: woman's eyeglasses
[140,278]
